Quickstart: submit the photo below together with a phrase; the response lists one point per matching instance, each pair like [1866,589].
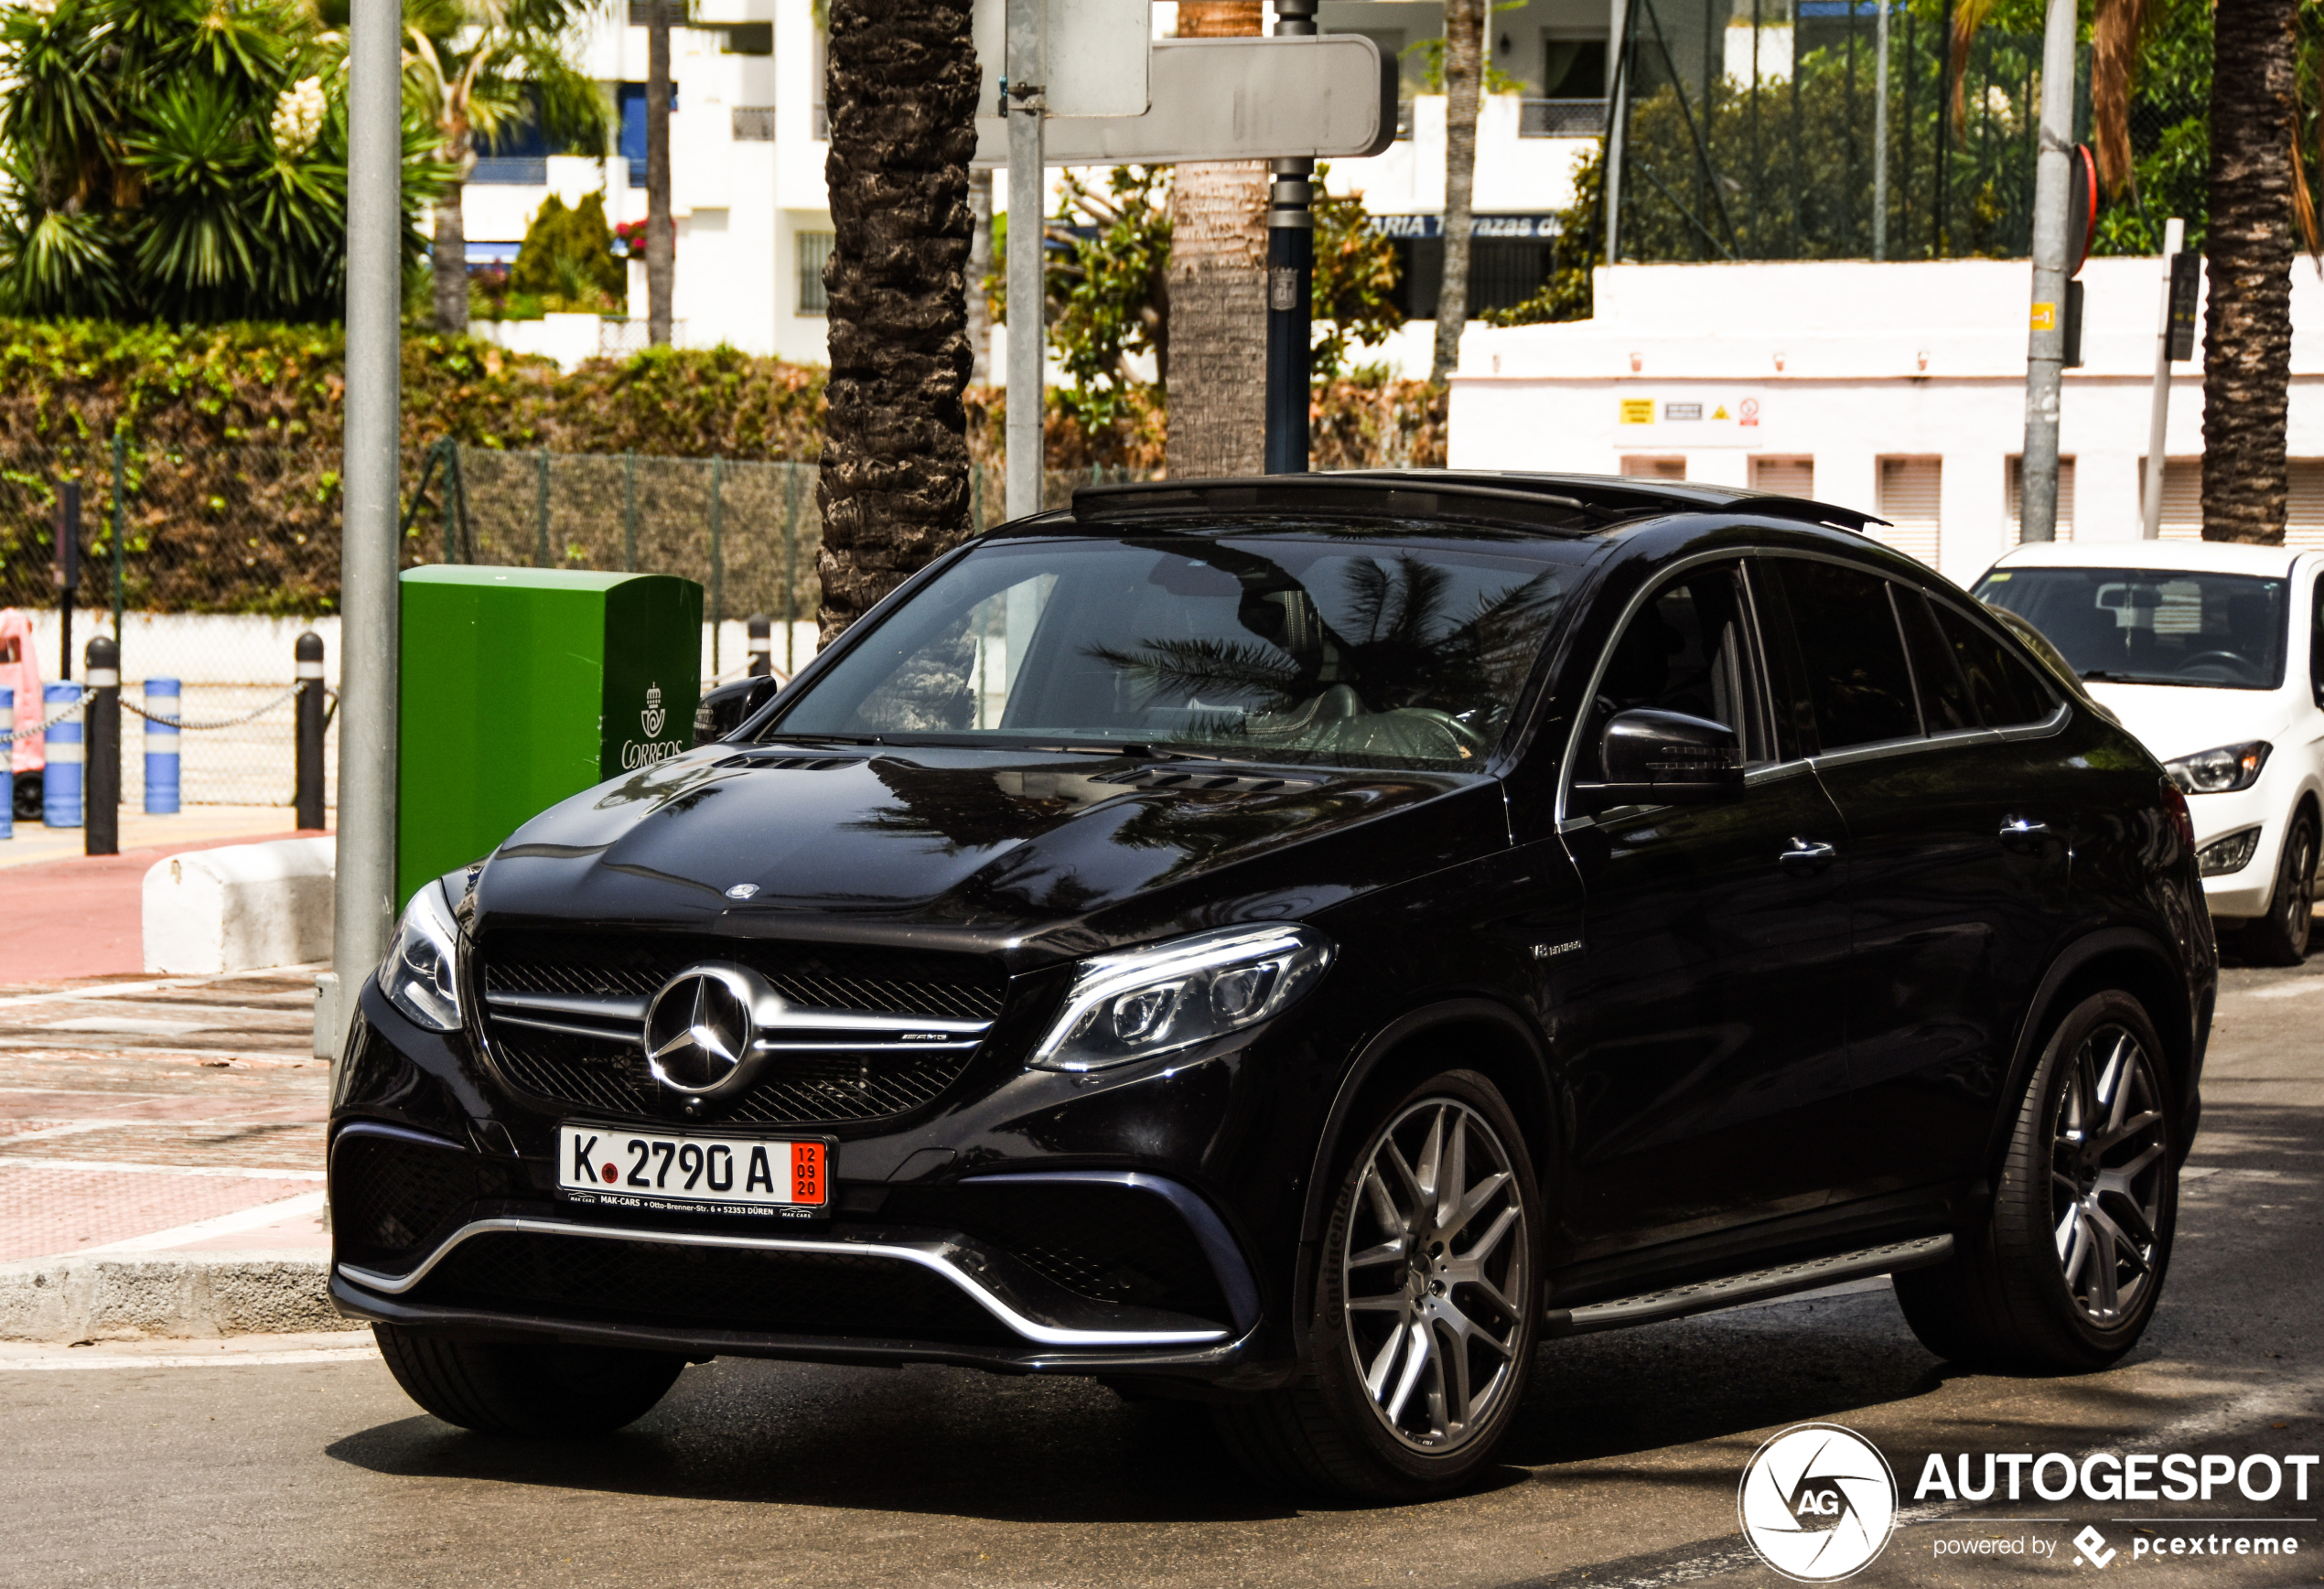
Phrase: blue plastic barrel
[61,784]
[7,765]
[161,748]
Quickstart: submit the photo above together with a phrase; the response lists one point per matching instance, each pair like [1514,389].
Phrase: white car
[2213,654]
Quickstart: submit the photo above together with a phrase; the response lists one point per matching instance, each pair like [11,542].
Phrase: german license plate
[633,1169]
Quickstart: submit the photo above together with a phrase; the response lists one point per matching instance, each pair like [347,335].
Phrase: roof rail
[1570,504]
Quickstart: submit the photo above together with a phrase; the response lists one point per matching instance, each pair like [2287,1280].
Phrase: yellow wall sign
[1638,410]
[2045,318]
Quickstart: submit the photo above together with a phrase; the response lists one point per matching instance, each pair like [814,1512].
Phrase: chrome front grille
[862,1034]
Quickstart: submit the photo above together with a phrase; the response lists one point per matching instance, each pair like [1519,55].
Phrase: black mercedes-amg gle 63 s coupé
[1297,945]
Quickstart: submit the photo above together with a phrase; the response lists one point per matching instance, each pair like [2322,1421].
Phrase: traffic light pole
[1026,290]
[2046,333]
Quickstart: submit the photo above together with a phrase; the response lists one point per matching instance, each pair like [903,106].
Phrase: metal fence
[207,564]
[1753,129]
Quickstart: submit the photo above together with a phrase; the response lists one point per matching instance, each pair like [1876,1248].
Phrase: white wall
[1844,362]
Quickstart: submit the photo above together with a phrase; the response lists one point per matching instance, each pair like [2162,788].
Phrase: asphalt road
[1623,1472]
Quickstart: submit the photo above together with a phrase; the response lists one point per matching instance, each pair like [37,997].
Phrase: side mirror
[1665,758]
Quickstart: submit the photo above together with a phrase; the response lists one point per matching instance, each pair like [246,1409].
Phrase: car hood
[2172,720]
[981,846]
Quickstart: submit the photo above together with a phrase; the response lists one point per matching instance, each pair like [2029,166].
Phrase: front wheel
[1427,1305]
[495,1388]
[2281,937]
[2064,1275]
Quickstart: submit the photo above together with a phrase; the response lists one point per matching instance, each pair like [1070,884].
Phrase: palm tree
[902,87]
[1217,292]
[2257,194]
[483,68]
[1464,83]
[175,159]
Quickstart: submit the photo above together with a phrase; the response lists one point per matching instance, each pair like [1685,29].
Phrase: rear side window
[2003,691]
[1944,693]
[1850,652]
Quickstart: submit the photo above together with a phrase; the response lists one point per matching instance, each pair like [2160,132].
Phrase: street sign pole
[365,884]
[2046,327]
[2158,420]
[1022,91]
[1291,258]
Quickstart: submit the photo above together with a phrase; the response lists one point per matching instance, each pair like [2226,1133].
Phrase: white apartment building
[748,142]
[1896,389]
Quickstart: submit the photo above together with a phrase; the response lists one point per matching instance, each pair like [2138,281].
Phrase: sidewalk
[161,1115]
[63,913]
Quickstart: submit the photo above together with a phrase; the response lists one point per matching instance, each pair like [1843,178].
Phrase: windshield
[1305,646]
[2153,625]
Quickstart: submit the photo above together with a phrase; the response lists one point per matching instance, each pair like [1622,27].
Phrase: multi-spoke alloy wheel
[2106,1175]
[1433,1274]
[2064,1271]
[1425,1305]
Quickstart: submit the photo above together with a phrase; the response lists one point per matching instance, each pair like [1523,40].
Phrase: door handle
[2024,833]
[1807,856]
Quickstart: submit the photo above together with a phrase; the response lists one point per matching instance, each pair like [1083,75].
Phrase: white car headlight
[1176,993]
[420,974]
[2220,771]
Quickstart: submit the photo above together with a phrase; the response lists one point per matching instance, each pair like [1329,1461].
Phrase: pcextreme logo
[1817,1502]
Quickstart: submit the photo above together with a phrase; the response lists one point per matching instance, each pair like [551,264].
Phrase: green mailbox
[520,686]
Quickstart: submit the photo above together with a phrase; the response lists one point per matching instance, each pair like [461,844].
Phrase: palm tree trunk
[1464,74]
[1217,284]
[449,257]
[894,483]
[662,234]
[2247,334]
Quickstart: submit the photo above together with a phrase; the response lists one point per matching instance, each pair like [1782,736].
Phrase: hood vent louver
[790,759]
[1207,778]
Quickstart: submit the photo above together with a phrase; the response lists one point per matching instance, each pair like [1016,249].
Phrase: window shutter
[2304,523]
[1784,476]
[1910,489]
[1641,468]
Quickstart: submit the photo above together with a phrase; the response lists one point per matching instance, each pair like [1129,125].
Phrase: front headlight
[419,975]
[2220,771]
[1173,994]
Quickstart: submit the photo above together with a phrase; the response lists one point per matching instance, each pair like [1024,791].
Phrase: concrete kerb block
[201,1296]
[243,908]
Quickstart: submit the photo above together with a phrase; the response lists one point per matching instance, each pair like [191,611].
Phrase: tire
[2008,1300]
[1387,1245]
[2281,937]
[496,1388]
[28,786]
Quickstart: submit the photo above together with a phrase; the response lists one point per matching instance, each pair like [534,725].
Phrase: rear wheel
[2281,937]
[1426,1307]
[495,1388]
[2065,1274]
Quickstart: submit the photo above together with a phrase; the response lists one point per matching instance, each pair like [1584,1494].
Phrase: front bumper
[446,1216]
[2246,892]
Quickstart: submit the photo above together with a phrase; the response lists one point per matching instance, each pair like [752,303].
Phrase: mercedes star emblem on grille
[699,1028]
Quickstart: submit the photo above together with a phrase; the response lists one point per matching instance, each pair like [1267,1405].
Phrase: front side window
[1311,646]
[2151,626]
[1688,649]
[1851,653]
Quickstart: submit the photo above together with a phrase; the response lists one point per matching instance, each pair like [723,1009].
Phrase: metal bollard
[309,653]
[61,783]
[763,645]
[101,826]
[162,696]
[7,765]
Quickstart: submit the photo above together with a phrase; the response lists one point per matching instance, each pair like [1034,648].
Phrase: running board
[1759,1285]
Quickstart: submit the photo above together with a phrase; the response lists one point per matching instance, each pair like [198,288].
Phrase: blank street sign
[1095,52]
[1327,95]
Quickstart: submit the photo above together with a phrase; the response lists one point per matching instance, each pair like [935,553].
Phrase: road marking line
[255,1218]
[9,1163]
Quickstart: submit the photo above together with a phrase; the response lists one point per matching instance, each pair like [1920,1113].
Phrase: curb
[198,1295]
